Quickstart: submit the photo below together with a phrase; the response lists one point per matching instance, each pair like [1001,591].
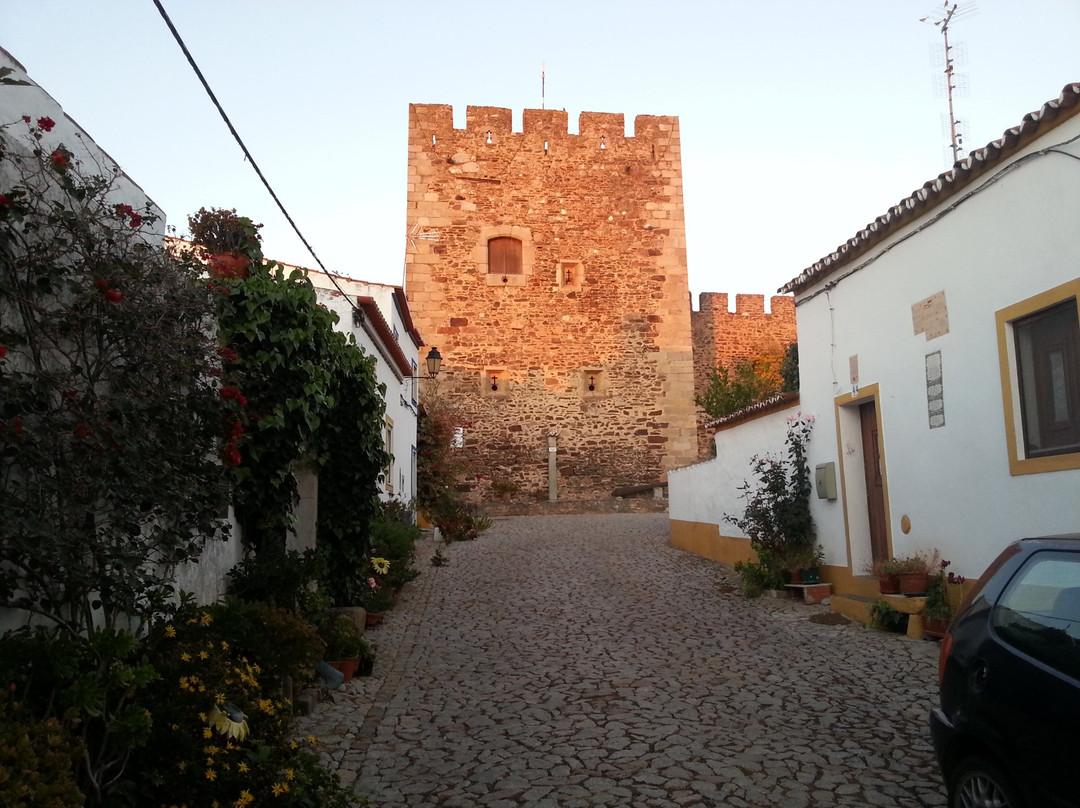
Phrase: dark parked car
[1007,733]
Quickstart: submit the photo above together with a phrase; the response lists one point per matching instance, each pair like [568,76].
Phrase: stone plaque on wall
[935,397]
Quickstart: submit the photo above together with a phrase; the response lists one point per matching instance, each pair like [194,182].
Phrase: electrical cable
[244,148]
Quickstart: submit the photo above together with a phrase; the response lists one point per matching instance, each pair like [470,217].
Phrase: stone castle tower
[550,271]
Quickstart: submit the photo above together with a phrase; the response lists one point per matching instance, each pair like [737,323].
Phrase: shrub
[37,759]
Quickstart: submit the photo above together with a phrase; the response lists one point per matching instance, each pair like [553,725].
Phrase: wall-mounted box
[825,480]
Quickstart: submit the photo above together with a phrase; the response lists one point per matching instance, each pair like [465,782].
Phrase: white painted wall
[1014,236]
[401,405]
[707,491]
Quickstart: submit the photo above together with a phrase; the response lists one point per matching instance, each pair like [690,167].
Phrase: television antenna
[416,234]
[951,12]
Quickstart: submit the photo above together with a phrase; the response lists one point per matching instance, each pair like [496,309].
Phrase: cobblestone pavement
[579,661]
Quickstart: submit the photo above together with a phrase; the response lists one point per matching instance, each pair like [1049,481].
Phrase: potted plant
[803,562]
[377,600]
[914,572]
[938,611]
[230,242]
[885,572]
[885,617]
[504,489]
[343,643]
[367,658]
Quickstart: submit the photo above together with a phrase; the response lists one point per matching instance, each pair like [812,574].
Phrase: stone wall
[603,299]
[725,338]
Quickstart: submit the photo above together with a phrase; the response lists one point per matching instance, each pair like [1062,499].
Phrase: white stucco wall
[707,491]
[401,406]
[1012,237]
[32,100]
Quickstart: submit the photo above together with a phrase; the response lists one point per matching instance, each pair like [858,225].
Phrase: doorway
[875,483]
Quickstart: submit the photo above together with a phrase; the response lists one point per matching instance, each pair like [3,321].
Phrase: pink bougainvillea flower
[46,123]
[232,456]
[59,159]
[4,201]
[229,354]
[136,220]
[113,295]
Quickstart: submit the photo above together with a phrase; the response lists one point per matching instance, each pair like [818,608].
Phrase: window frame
[1020,462]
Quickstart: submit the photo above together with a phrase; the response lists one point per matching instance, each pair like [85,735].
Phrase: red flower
[17,426]
[3,351]
[232,456]
[101,284]
[113,296]
[26,118]
[46,123]
[82,431]
[229,354]
[136,220]
[59,160]
[4,201]
[232,394]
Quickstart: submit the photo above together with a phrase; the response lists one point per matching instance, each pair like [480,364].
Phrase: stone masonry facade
[726,338]
[583,342]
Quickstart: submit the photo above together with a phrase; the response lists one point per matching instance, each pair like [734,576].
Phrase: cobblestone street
[579,661]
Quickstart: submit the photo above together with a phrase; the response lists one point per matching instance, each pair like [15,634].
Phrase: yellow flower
[289,774]
[246,798]
[312,739]
[219,699]
[380,565]
[230,721]
[203,655]
[211,774]
[224,646]
[170,631]
[185,657]
[279,788]
[206,733]
[206,619]
[266,706]
[242,768]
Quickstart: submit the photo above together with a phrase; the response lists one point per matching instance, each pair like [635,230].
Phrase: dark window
[1048,368]
[1039,612]
[504,256]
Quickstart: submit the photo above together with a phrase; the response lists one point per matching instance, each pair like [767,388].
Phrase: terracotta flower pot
[913,583]
[346,666]
[889,585]
[229,265]
[372,618]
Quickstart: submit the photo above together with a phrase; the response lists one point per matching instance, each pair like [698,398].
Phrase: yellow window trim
[1010,390]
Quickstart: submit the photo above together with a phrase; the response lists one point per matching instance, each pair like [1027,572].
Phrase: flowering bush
[110,420]
[221,725]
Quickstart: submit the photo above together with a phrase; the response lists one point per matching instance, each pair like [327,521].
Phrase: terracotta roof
[937,190]
[778,402]
[391,349]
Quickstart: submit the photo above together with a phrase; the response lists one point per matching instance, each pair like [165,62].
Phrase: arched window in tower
[504,256]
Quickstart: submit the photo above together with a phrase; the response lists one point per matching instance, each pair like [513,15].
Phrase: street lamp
[434,362]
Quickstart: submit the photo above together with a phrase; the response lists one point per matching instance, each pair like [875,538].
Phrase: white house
[378,317]
[940,353]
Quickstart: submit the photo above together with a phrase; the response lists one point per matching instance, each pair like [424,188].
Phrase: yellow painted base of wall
[705,540]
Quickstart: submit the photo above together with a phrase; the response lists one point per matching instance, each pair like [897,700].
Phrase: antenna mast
[955,138]
[543,80]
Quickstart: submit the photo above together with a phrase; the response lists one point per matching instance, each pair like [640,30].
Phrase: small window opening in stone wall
[504,256]
[489,136]
[545,147]
[434,140]
[569,275]
[602,144]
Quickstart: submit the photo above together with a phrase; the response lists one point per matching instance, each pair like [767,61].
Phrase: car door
[1030,671]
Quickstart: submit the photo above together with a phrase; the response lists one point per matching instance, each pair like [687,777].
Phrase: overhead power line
[244,148]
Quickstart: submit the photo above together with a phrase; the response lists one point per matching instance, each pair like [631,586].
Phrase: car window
[1039,611]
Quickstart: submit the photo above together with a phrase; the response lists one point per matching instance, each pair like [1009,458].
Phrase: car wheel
[978,783]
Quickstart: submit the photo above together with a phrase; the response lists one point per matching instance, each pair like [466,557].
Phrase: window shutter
[504,256]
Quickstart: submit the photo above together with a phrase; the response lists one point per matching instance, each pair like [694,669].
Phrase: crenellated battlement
[716,303]
[485,122]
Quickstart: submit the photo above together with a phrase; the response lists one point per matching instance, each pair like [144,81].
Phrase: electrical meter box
[825,480]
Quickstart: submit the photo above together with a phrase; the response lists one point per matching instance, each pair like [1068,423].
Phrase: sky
[801,120]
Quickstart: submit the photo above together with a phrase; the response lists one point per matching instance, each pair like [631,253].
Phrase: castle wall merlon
[489,119]
[655,126]
[545,122]
[431,117]
[602,124]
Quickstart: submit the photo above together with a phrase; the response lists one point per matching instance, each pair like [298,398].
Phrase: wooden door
[875,486]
